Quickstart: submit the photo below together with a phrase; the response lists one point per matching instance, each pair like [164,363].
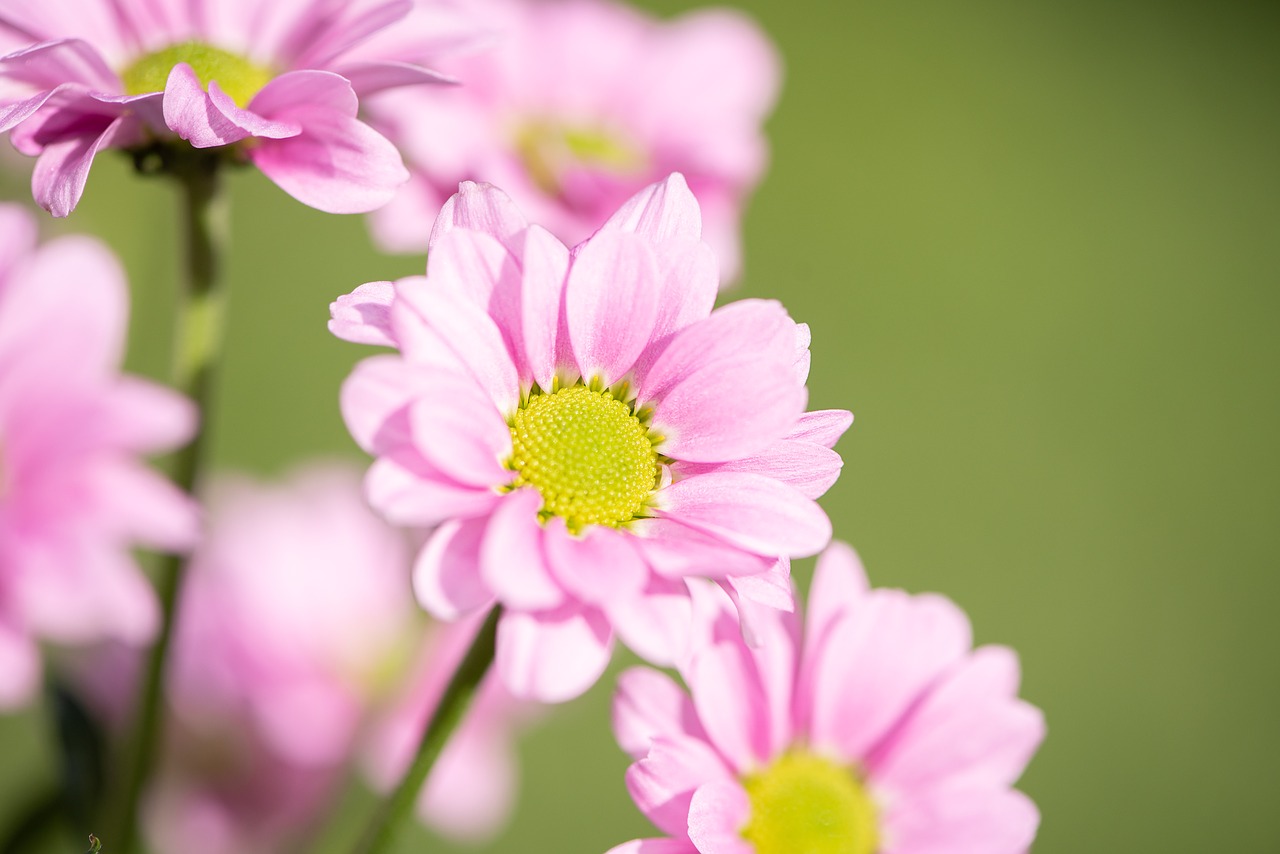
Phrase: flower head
[74,496]
[274,83]
[872,729]
[578,105]
[586,432]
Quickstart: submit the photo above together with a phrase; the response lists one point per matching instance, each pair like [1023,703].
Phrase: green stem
[197,349]
[445,718]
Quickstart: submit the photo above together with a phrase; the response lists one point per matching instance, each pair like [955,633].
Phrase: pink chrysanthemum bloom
[873,729]
[75,496]
[577,105]
[586,432]
[278,82]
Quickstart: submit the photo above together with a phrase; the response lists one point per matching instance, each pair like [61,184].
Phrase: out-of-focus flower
[578,104]
[75,497]
[885,734]
[277,82]
[586,432]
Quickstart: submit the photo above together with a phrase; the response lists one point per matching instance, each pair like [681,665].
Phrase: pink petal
[404,498]
[717,815]
[963,821]
[368,78]
[210,119]
[552,656]
[145,507]
[654,846]
[457,430]
[839,582]
[809,467]
[663,782]
[655,624]
[823,426]
[376,389]
[752,512]
[511,559]
[731,703]
[484,208]
[660,212]
[546,267]
[446,575]
[305,88]
[649,704]
[17,235]
[364,315]
[51,64]
[678,551]
[58,180]
[611,304]
[148,418]
[19,667]
[689,279]
[598,566]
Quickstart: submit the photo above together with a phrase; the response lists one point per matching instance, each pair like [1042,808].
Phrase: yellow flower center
[807,803]
[238,77]
[549,148]
[588,454]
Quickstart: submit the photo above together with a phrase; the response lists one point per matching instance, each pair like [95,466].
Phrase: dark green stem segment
[444,721]
[197,349]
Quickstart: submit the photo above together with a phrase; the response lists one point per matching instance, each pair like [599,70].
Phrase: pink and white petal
[839,583]
[600,566]
[760,598]
[338,164]
[717,814]
[961,821]
[511,558]
[678,551]
[552,656]
[656,624]
[377,389]
[484,208]
[546,267]
[879,660]
[823,426]
[60,173]
[660,212]
[749,511]
[446,575]
[19,667]
[457,430]
[611,304]
[309,88]
[144,507]
[649,704]
[970,728]
[654,846]
[663,782]
[731,704]
[809,467]
[370,77]
[802,359]
[404,498]
[364,315]
[52,63]
[689,278]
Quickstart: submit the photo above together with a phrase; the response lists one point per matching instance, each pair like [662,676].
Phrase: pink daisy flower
[586,432]
[872,729]
[75,497]
[277,84]
[578,105]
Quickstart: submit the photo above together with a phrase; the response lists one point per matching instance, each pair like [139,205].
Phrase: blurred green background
[1038,244]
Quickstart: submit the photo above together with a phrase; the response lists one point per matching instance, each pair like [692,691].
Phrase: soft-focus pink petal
[649,704]
[599,566]
[839,582]
[19,668]
[749,511]
[655,624]
[511,558]
[50,64]
[823,426]
[717,814]
[145,507]
[404,498]
[962,821]
[364,315]
[17,235]
[611,304]
[654,846]
[446,576]
[368,78]
[678,551]
[552,656]
[663,782]
[659,212]
[484,208]
[731,703]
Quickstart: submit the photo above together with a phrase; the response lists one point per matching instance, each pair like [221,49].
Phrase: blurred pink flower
[74,495]
[586,432]
[885,734]
[280,81]
[578,104]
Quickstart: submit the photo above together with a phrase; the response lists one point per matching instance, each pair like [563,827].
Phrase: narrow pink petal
[654,846]
[58,180]
[146,417]
[144,507]
[364,315]
[823,426]
[552,656]
[331,29]
[963,821]
[611,304]
[970,728]
[749,511]
[446,575]
[717,815]
[663,782]
[404,498]
[458,431]
[376,389]
[600,566]
[17,234]
[731,703]
[484,208]
[511,559]
[761,597]
[690,279]
[678,551]
[337,164]
[50,64]
[546,267]
[370,77]
[660,212]
[306,87]
[802,358]
[655,624]
[811,468]
[19,667]
[649,704]
[210,119]
[839,583]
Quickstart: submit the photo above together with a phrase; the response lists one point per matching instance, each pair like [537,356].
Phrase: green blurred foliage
[1038,245]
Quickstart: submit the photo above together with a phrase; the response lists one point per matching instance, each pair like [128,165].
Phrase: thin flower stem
[197,352]
[444,721]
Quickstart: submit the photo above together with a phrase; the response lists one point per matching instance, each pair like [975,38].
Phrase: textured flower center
[548,149]
[588,455]
[804,802]
[237,76]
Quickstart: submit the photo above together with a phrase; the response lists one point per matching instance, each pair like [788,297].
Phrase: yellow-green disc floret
[588,455]
[804,802]
[238,77]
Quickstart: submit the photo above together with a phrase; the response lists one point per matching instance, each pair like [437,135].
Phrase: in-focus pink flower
[578,104]
[278,81]
[874,728]
[75,497]
[586,432]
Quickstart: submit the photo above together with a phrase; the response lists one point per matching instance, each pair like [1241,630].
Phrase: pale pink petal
[660,212]
[148,418]
[306,87]
[446,575]
[962,821]
[611,304]
[50,64]
[717,814]
[210,119]
[60,173]
[649,704]
[364,315]
[663,782]
[690,278]
[19,668]
[654,846]
[811,468]
[655,624]
[17,235]
[371,77]
[552,656]
[731,703]
[145,507]
[823,426]
[377,388]
[749,511]
[678,551]
[404,498]
[598,566]
[545,269]
[839,582]
[511,558]
[484,208]
[457,430]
